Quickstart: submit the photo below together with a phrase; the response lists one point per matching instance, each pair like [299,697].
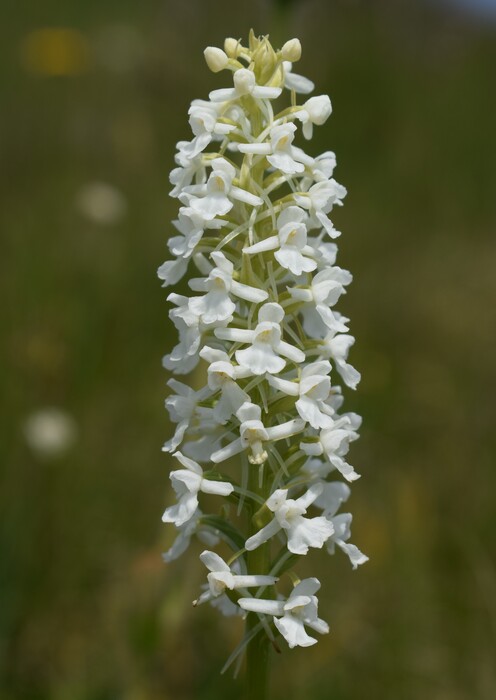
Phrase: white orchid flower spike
[260,347]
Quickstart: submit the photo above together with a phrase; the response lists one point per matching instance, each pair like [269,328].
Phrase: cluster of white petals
[259,327]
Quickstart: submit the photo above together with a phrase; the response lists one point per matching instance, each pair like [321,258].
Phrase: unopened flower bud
[216,58]
[231,47]
[319,109]
[244,81]
[291,51]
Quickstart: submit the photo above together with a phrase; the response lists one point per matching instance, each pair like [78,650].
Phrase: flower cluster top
[265,432]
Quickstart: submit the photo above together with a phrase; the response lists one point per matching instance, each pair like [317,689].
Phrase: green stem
[258,650]
[257,663]
[258,561]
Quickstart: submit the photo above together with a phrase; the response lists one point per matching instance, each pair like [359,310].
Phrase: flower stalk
[264,437]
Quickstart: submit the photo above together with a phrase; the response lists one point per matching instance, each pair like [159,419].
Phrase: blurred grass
[87,608]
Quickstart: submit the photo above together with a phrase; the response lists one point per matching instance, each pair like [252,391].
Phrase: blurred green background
[89,118]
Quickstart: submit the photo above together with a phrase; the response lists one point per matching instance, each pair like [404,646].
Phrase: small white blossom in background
[50,432]
[264,432]
[101,203]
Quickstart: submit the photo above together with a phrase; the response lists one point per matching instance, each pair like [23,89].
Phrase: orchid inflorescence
[255,224]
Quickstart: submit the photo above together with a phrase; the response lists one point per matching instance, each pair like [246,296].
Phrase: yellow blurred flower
[55,52]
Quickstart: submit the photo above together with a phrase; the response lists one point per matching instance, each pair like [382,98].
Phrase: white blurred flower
[101,203]
[184,534]
[50,431]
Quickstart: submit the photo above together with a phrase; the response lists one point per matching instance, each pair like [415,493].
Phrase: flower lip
[267,332]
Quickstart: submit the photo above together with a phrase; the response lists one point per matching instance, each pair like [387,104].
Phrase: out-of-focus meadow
[94,97]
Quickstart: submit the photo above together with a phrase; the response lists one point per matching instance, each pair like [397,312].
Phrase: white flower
[313,390]
[323,166]
[184,535]
[334,442]
[184,356]
[301,532]
[191,226]
[325,251]
[187,483]
[182,406]
[253,434]
[225,606]
[333,495]
[264,353]
[280,152]
[215,197]
[203,119]
[189,170]
[291,241]
[216,305]
[222,578]
[316,469]
[337,347]
[291,616]
[171,271]
[322,293]
[319,200]
[342,533]
[244,84]
[204,441]
[316,110]
[222,376]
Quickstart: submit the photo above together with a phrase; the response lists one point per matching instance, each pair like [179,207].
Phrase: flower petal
[293,631]
[308,532]
[264,607]
[262,535]
[213,562]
